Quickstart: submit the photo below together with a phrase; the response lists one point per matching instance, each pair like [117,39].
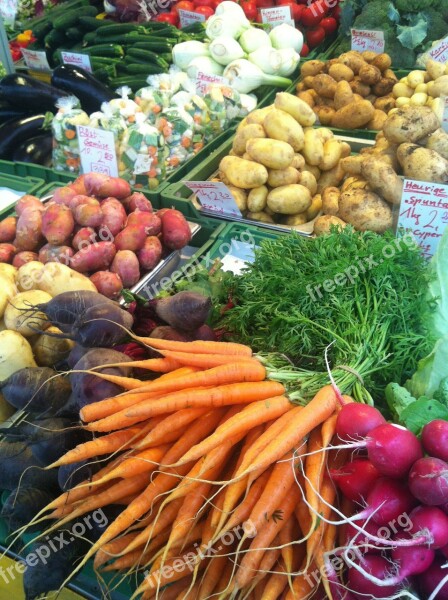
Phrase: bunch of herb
[374,316]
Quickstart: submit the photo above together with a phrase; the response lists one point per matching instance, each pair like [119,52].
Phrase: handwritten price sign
[424,211]
[79,60]
[440,51]
[97,150]
[364,39]
[8,11]
[35,60]
[188,17]
[204,80]
[277,16]
[215,197]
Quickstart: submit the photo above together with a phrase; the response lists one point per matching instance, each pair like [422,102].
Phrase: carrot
[275,584]
[190,593]
[212,575]
[303,585]
[158,365]
[178,420]
[112,549]
[203,361]
[127,383]
[204,347]
[286,538]
[252,415]
[314,470]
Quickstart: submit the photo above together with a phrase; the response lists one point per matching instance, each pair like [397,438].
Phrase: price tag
[203,80]
[80,60]
[97,150]
[214,196]
[364,39]
[445,113]
[188,17]
[8,11]
[424,211]
[277,16]
[440,51]
[36,60]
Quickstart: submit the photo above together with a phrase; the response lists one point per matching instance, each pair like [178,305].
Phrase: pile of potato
[279,163]
[412,145]
[353,91]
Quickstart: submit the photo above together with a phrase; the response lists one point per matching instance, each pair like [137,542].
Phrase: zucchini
[90,38]
[92,23]
[120,29]
[107,50]
[105,73]
[74,33]
[103,61]
[41,30]
[141,69]
[70,17]
[135,82]
[55,39]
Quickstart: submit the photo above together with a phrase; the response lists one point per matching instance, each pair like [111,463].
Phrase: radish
[428,481]
[356,538]
[431,578]
[435,438]
[393,449]
[412,560]
[360,584]
[355,420]
[387,500]
[432,520]
[355,479]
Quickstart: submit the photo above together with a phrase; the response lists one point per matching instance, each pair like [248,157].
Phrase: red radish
[359,584]
[357,538]
[355,420]
[435,438]
[432,520]
[412,560]
[432,577]
[393,450]
[428,481]
[355,479]
[444,551]
[387,500]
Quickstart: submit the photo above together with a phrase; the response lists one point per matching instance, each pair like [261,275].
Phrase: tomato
[184,5]
[336,12]
[313,14]
[203,3]
[329,24]
[296,9]
[171,18]
[315,36]
[265,3]
[250,9]
[305,50]
[207,11]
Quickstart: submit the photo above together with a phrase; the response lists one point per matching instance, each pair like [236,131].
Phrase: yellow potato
[330,201]
[382,61]
[241,173]
[369,74]
[341,72]
[313,149]
[331,155]
[377,121]
[280,125]
[289,199]
[261,216]
[309,181]
[8,271]
[324,85]
[312,67]
[365,211]
[257,116]
[354,115]
[295,220]
[298,162]
[333,177]
[382,179]
[325,134]
[239,196]
[352,164]
[29,275]
[343,95]
[48,351]
[246,133]
[410,124]
[257,198]
[273,154]
[325,114]
[17,318]
[315,207]
[278,177]
[296,107]
[312,169]
[324,223]
[440,87]
[422,164]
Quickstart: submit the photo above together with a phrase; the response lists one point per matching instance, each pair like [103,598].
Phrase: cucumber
[74,33]
[107,50]
[145,56]
[90,38]
[92,23]
[41,30]
[141,69]
[120,29]
[158,45]
[55,39]
[135,82]
[70,18]
[103,61]
[104,74]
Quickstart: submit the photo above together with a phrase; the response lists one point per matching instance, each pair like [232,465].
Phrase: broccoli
[373,13]
[404,57]
[436,26]
[408,6]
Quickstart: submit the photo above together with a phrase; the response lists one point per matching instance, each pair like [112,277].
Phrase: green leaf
[412,35]
[422,411]
[431,370]
[393,13]
[398,399]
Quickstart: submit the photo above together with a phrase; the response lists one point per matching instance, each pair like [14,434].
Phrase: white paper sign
[188,17]
[79,60]
[97,150]
[35,60]
[445,113]
[424,210]
[364,39]
[440,51]
[142,164]
[203,80]
[214,196]
[8,11]
[277,16]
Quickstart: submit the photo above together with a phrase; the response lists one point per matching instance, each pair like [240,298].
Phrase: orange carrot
[303,585]
[176,420]
[199,346]
[112,549]
[158,365]
[288,534]
[275,584]
[203,361]
[212,575]
[314,469]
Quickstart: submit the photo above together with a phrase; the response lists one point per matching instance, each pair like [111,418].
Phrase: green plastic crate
[22,185]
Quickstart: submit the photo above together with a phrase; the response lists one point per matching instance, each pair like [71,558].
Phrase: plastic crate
[20,185]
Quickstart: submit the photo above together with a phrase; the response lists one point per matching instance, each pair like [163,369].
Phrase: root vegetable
[185,310]
[21,258]
[132,237]
[7,252]
[29,230]
[49,351]
[135,201]
[356,478]
[8,290]
[8,229]
[107,283]
[84,237]
[26,202]
[435,439]
[89,215]
[410,124]
[428,481]
[280,125]
[150,221]
[114,216]
[15,353]
[104,186]
[242,173]
[149,256]
[55,278]
[273,154]
[176,232]
[95,257]
[19,317]
[63,195]
[57,224]
[126,265]
[365,210]
[422,164]
[382,179]
[61,254]
[296,107]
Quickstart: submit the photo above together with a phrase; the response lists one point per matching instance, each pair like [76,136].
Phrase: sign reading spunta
[364,39]
[214,196]
[79,60]
[277,16]
[188,17]
[445,113]
[439,52]
[97,150]
[35,60]
[203,80]
[424,211]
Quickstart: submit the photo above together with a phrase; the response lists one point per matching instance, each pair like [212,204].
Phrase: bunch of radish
[399,537]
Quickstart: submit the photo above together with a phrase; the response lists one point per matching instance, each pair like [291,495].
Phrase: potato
[28,276]
[257,198]
[242,173]
[384,86]
[307,97]
[289,199]
[49,350]
[308,81]
[422,164]
[125,264]
[369,74]
[295,220]
[352,164]
[26,256]
[55,278]
[278,177]
[346,149]
[438,141]
[377,121]
[107,283]
[354,115]
[312,169]
[382,61]
[83,237]
[98,256]
[19,317]
[435,69]
[324,224]
[309,181]
[325,114]
[114,218]
[331,155]
[313,149]
[330,201]
[176,232]
[343,94]
[8,290]
[385,104]
[57,224]
[298,162]
[354,182]
[314,209]
[415,78]
[382,179]
[15,353]
[359,87]
[419,99]
[239,196]
[29,230]
[353,60]
[8,271]
[131,237]
[440,87]
[321,101]
[150,255]
[137,201]
[389,74]
[246,133]
[261,216]
[151,222]
[62,254]
[312,68]
[365,211]
[8,229]
[410,124]
[324,85]
[296,107]
[280,125]
[402,90]
[257,116]
[325,134]
[26,202]
[274,154]
[88,214]
[63,195]
[368,55]
[340,72]
[241,124]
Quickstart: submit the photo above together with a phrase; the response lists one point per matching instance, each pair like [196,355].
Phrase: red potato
[28,201]
[176,232]
[84,237]
[8,229]
[104,186]
[96,257]
[126,265]
[149,256]
[57,224]
[114,216]
[79,185]
[81,199]
[29,230]
[131,238]
[7,252]
[21,258]
[135,201]
[151,221]
[64,195]
[107,283]
[88,215]
[60,254]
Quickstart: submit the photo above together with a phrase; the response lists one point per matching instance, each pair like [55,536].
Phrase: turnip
[428,481]
[355,478]
[431,579]
[435,438]
[356,420]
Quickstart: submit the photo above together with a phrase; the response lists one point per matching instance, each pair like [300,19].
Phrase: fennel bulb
[225,49]
[231,8]
[244,76]
[286,36]
[248,103]
[253,38]
[227,24]
[206,65]
[267,59]
[185,52]
[290,61]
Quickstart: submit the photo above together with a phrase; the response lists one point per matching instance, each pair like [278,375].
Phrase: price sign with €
[215,197]
[97,150]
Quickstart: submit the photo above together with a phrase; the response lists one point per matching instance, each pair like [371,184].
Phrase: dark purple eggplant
[9,111]
[16,131]
[90,92]
[36,150]
[23,91]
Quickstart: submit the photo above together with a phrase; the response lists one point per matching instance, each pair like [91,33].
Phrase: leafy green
[398,399]
[393,13]
[442,392]
[431,370]
[414,33]
[422,411]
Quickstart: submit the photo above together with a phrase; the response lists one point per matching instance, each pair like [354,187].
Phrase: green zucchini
[120,29]
[107,50]
[90,38]
[41,30]
[105,73]
[141,69]
[70,17]
[135,82]
[55,39]
[74,33]
[92,23]
[149,57]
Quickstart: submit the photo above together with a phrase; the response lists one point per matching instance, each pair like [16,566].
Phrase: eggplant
[16,131]
[36,150]
[23,91]
[90,92]
[9,111]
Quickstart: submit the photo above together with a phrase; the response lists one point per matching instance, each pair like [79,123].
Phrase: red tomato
[329,24]
[313,14]
[208,11]
[170,18]
[184,5]
[315,36]
[203,3]
[216,3]
[336,12]
[296,9]
[305,50]
[265,3]
[250,9]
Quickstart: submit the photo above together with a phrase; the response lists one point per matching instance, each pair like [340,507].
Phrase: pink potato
[149,256]
[151,222]
[8,229]
[107,283]
[28,201]
[21,258]
[78,185]
[135,201]
[88,215]
[81,199]
[84,237]
[57,224]
[126,265]
[63,195]
[114,216]
[176,232]
[7,252]
[104,186]
[96,257]
[29,230]
[131,237]
[60,254]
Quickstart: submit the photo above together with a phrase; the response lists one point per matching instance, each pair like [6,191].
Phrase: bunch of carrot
[221,478]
